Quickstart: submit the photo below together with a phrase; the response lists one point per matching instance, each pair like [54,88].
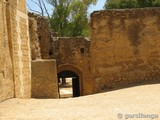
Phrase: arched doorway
[70,81]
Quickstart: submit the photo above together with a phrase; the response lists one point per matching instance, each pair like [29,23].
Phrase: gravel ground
[129,103]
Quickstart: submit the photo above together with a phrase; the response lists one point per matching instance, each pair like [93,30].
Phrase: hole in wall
[82,50]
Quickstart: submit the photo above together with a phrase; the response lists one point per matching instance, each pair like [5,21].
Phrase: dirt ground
[66,90]
[134,103]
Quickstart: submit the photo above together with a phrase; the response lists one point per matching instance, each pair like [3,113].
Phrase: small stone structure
[44,79]
[44,69]
[74,54]
[70,53]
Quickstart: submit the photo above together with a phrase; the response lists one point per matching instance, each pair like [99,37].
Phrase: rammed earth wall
[125,47]
[15,62]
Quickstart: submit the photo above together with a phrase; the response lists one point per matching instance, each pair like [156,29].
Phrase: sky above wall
[98,6]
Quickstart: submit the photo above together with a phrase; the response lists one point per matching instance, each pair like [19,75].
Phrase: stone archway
[72,71]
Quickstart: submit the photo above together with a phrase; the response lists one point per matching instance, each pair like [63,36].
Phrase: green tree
[145,3]
[79,20]
[110,4]
[69,17]
[60,17]
[121,4]
[128,4]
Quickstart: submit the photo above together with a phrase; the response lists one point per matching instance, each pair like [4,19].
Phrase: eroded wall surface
[44,79]
[70,53]
[40,26]
[125,47]
[34,41]
[20,48]
[6,68]
[74,52]
[15,63]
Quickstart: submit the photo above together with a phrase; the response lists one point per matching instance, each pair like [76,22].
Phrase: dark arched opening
[73,82]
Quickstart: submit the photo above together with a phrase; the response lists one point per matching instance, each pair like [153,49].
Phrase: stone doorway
[74,76]
[68,84]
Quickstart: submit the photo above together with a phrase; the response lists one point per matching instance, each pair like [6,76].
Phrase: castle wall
[34,41]
[70,53]
[21,48]
[40,36]
[74,53]
[6,68]
[15,44]
[125,47]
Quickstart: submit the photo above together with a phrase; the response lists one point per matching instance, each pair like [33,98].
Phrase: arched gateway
[70,71]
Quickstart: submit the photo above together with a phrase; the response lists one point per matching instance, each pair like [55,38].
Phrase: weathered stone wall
[20,48]
[15,55]
[44,79]
[74,52]
[34,41]
[70,53]
[125,47]
[6,68]
[41,35]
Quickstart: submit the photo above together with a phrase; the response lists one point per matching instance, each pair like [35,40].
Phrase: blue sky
[98,6]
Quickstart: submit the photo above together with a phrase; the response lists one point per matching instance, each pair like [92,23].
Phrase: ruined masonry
[15,62]
[124,49]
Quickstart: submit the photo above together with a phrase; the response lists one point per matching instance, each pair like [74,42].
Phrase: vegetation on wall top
[121,4]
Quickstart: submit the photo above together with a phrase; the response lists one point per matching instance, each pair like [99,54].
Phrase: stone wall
[34,41]
[70,53]
[74,53]
[15,55]
[125,47]
[6,68]
[44,79]
[20,48]
[42,34]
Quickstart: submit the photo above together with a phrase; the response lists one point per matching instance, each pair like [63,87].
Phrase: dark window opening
[82,50]
[50,52]
[39,37]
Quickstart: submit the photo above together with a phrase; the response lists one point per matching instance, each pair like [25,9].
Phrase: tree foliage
[121,4]
[69,17]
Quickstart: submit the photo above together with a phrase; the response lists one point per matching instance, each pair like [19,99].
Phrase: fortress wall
[40,37]
[125,47]
[69,52]
[20,48]
[15,56]
[34,41]
[6,68]
[74,52]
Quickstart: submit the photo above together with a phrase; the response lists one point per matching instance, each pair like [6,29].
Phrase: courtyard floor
[129,103]
[66,90]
